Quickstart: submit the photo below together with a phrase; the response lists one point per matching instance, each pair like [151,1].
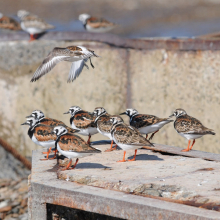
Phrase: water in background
[141,18]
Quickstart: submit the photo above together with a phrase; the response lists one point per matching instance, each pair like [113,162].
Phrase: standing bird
[146,123]
[33,24]
[41,134]
[9,23]
[127,137]
[39,115]
[83,121]
[72,146]
[78,55]
[189,127]
[104,124]
[97,25]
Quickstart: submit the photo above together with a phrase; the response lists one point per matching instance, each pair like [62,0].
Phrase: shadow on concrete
[91,166]
[145,157]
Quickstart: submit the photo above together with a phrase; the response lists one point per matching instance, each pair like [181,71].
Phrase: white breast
[105,133]
[98,30]
[71,154]
[152,128]
[87,131]
[190,136]
[126,147]
[31,30]
[46,144]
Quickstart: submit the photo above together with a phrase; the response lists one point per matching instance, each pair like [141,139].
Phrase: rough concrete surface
[174,177]
[152,81]
[96,176]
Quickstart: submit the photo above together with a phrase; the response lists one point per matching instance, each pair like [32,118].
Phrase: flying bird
[78,55]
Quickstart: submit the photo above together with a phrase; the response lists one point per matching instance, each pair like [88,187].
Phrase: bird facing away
[127,137]
[83,121]
[78,55]
[33,24]
[104,124]
[39,115]
[9,23]
[72,146]
[97,25]
[41,134]
[146,123]
[189,127]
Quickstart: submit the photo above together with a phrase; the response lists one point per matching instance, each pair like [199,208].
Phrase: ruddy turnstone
[145,123]
[9,23]
[39,115]
[127,137]
[98,25]
[83,121]
[78,55]
[33,24]
[72,146]
[104,124]
[41,134]
[189,127]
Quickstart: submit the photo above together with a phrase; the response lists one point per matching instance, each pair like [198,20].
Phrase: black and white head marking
[74,109]
[59,130]
[37,114]
[179,112]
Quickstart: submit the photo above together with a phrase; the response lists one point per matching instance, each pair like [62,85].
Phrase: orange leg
[111,149]
[187,149]
[32,38]
[151,137]
[68,165]
[75,163]
[48,152]
[123,160]
[135,153]
[55,154]
[88,142]
[146,136]
[192,144]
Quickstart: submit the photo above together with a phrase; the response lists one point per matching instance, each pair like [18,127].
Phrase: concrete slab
[99,184]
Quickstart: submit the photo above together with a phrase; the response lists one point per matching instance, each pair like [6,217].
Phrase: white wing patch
[76,69]
[46,67]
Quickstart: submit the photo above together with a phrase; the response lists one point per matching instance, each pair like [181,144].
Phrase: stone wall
[152,81]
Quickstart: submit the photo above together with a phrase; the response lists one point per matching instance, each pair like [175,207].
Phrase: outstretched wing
[49,63]
[76,69]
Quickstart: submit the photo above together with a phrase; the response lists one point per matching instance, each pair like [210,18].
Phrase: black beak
[25,123]
[29,116]
[171,115]
[66,112]
[123,113]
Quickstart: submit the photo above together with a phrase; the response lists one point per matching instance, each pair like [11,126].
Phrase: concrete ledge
[46,188]
[114,40]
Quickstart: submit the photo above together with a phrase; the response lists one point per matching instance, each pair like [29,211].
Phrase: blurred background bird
[33,24]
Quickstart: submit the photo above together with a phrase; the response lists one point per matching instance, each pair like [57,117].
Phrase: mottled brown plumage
[188,124]
[189,127]
[126,134]
[9,23]
[44,133]
[99,22]
[83,120]
[70,142]
[143,120]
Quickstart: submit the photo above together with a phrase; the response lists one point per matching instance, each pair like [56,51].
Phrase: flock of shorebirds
[49,133]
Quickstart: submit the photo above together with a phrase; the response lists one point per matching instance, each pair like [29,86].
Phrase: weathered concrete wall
[152,81]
